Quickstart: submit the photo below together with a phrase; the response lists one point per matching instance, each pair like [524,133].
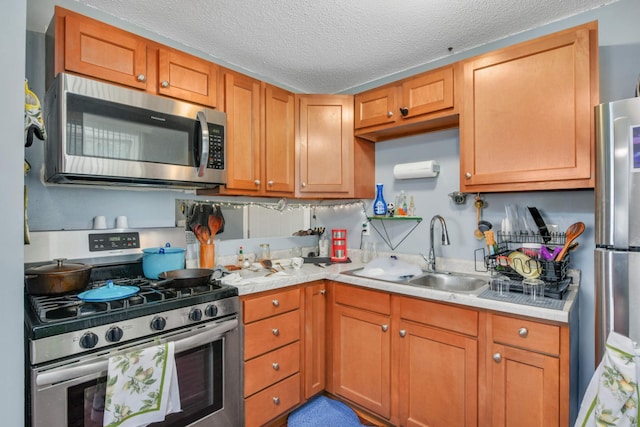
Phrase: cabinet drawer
[272,402]
[366,299]
[526,334]
[270,368]
[443,316]
[270,305]
[268,334]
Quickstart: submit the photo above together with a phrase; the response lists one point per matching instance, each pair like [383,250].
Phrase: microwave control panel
[216,147]
[113,241]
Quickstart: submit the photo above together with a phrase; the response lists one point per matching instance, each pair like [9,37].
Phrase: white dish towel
[142,387]
[611,398]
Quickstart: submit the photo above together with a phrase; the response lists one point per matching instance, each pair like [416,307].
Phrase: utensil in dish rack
[571,234]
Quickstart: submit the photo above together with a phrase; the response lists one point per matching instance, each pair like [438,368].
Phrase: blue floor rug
[323,412]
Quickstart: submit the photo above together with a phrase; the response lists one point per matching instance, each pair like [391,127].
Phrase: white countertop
[249,282]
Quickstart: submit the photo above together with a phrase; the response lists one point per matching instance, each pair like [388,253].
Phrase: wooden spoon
[266,263]
[571,234]
[477,233]
[214,222]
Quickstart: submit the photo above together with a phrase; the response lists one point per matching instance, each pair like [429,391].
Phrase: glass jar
[265,252]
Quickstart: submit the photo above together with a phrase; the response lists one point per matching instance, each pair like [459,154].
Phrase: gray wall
[12,46]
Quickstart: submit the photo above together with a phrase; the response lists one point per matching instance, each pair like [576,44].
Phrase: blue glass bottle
[379,205]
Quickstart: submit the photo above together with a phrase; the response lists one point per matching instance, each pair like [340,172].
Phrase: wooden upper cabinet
[527,122]
[242,104]
[92,48]
[99,50]
[279,141]
[325,145]
[187,77]
[425,102]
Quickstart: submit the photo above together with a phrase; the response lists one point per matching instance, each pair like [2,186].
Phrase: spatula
[571,234]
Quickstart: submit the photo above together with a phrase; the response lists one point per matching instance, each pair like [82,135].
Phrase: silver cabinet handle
[276,366]
[323,292]
[303,184]
[385,328]
[497,357]
[256,182]
[141,77]
[275,303]
[523,332]
[467,175]
[275,331]
[270,183]
[276,400]
[403,333]
[164,84]
[204,151]
[389,113]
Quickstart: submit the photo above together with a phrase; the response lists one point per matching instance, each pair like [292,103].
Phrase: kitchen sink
[444,281]
[449,282]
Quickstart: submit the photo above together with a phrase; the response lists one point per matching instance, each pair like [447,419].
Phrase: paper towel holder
[425,169]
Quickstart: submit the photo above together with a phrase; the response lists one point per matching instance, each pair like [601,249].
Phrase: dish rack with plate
[515,268]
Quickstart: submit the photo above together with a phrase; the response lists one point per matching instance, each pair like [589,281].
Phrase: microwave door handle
[204,134]
[201,337]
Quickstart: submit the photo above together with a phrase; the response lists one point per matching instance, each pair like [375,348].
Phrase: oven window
[200,379]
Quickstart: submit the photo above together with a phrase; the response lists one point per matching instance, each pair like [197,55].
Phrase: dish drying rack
[553,273]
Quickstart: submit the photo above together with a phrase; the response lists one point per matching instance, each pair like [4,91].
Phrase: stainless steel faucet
[431,261]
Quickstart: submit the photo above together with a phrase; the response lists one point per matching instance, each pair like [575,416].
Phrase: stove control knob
[88,340]
[211,310]
[195,314]
[158,323]
[114,334]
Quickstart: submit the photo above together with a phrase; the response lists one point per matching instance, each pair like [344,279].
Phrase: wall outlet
[365,228]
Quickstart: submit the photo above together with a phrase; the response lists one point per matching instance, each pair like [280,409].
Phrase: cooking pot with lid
[157,260]
[58,278]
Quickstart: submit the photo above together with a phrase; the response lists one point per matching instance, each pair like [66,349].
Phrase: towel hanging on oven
[142,387]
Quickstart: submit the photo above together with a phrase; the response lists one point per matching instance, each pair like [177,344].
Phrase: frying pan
[185,278]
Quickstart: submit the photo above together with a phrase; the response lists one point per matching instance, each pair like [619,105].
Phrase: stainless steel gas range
[69,342]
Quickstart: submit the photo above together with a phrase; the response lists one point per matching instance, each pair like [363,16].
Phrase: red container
[338,244]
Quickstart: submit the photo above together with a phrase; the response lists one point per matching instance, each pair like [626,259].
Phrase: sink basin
[449,282]
[444,281]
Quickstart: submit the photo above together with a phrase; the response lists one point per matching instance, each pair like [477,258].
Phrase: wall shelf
[385,237]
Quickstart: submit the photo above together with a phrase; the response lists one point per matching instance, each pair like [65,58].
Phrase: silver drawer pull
[323,292]
[141,77]
[497,357]
[276,366]
[275,331]
[385,328]
[523,332]
[403,333]
[276,400]
[275,303]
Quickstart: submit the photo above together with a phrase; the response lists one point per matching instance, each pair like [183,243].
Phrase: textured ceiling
[329,46]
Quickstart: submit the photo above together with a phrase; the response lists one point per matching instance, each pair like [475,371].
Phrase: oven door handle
[200,336]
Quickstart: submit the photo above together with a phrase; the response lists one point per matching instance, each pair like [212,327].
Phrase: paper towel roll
[426,169]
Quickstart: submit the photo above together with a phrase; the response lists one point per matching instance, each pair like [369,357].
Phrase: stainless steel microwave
[99,133]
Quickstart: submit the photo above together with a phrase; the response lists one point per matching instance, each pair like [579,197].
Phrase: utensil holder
[207,255]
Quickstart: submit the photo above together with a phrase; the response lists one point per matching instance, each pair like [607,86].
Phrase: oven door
[209,377]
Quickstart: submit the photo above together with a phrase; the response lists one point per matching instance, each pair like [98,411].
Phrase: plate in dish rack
[525,266]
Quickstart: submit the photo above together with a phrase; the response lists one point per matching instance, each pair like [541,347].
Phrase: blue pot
[158,260]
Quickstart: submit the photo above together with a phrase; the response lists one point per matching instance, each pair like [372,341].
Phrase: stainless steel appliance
[69,343]
[617,254]
[105,134]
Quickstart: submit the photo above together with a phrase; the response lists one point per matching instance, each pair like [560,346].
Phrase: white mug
[121,222]
[99,222]
[297,262]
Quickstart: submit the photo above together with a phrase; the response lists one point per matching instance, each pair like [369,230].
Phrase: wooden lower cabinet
[272,354]
[315,332]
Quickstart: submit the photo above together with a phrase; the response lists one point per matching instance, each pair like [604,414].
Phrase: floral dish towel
[142,387]
[611,398]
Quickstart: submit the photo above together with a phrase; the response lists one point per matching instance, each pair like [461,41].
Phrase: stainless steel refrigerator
[617,253]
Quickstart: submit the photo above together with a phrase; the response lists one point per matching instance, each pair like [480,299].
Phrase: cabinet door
[525,388]
[279,141]
[361,358]
[242,105]
[438,377]
[314,339]
[376,107]
[325,145]
[187,77]
[427,93]
[104,52]
[527,122]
